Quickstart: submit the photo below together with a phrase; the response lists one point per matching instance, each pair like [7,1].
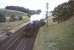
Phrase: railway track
[17,41]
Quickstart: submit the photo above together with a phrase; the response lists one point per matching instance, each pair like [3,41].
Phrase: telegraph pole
[47,12]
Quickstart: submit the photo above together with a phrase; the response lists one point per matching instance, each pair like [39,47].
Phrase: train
[33,28]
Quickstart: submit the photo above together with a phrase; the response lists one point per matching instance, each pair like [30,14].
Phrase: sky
[32,4]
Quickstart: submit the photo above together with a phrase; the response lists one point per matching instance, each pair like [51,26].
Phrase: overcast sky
[32,4]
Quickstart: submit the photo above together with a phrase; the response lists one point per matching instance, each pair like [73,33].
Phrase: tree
[17,8]
[62,12]
[22,9]
[71,3]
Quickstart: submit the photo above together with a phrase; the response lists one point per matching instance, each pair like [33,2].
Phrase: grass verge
[56,37]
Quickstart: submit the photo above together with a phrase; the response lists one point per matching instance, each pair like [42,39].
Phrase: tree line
[22,9]
[17,8]
[63,11]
